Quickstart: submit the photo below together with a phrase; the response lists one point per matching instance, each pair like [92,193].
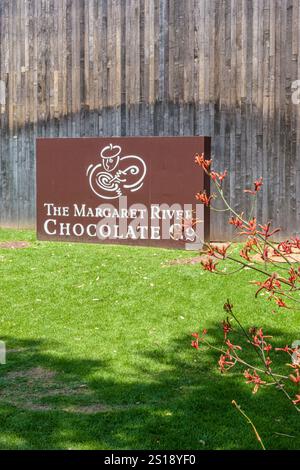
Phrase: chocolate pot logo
[116,175]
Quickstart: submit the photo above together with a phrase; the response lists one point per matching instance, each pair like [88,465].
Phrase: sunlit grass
[99,354]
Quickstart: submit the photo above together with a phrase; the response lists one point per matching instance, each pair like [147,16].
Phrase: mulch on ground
[14,245]
[292,258]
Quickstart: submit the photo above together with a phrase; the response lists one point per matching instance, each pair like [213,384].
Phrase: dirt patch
[17,350]
[90,409]
[14,245]
[65,391]
[292,258]
[37,373]
[28,390]
[36,407]
[196,259]
[38,389]
[95,408]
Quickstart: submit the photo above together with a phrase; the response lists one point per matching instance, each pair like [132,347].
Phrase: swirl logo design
[116,175]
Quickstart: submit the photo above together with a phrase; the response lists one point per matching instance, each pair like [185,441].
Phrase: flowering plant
[233,354]
[277,262]
[277,278]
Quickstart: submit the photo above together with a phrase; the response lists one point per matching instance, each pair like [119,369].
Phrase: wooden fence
[223,68]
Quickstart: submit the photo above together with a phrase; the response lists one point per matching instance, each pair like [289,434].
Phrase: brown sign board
[130,190]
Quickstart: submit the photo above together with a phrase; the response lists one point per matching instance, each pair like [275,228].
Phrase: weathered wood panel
[223,68]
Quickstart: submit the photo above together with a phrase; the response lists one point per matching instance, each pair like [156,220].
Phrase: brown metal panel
[75,176]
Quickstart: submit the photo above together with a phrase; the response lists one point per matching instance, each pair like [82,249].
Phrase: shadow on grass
[180,402]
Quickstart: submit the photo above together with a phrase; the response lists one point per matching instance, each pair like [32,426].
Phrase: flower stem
[249,421]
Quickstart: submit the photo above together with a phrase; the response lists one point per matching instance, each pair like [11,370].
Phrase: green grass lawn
[99,354]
